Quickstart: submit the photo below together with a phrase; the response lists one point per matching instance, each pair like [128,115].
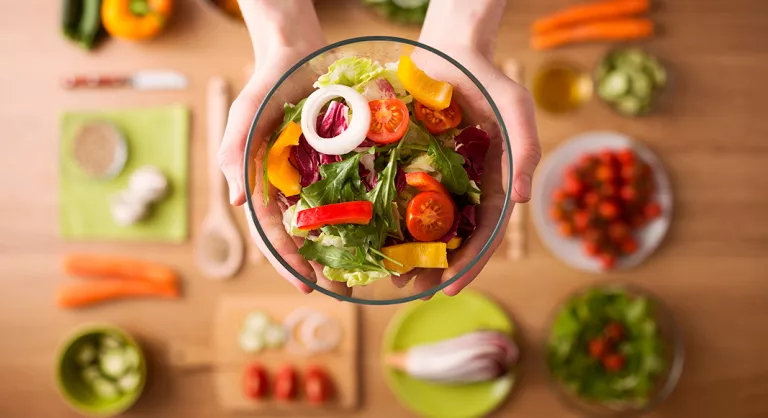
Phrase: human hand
[471,44]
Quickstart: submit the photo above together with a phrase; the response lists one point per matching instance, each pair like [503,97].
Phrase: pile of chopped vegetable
[109,366]
[629,80]
[605,347]
[375,170]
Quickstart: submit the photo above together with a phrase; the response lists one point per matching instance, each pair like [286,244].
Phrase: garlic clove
[127,209]
[148,184]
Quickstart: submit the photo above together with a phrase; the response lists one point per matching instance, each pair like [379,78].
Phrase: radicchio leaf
[367,171]
[400,179]
[467,222]
[286,201]
[378,89]
[308,161]
[473,143]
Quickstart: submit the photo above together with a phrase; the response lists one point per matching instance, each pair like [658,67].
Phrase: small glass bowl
[296,84]
[674,357]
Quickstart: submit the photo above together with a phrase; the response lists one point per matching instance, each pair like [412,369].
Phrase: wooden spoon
[219,246]
[515,236]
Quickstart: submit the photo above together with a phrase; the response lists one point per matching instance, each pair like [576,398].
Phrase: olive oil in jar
[560,88]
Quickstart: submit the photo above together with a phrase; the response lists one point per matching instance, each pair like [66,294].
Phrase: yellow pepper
[135,19]
[454,243]
[426,90]
[416,254]
[280,172]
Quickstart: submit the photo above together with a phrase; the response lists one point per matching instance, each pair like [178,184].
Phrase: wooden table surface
[712,270]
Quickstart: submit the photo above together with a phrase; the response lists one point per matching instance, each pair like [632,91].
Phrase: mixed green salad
[605,347]
[376,170]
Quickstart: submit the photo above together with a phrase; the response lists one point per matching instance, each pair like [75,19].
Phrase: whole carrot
[91,265]
[583,13]
[611,30]
[77,295]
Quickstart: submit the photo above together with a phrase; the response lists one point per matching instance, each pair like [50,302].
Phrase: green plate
[441,318]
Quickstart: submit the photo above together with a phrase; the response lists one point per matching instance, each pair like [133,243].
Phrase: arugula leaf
[338,258]
[451,165]
[292,113]
[333,187]
[369,236]
[384,193]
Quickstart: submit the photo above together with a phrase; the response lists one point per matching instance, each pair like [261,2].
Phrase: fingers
[339,288]
[426,280]
[518,112]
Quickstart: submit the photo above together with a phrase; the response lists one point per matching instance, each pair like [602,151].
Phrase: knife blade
[141,80]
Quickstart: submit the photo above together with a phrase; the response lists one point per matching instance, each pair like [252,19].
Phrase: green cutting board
[156,136]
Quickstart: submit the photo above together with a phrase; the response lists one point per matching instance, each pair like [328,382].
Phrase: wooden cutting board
[229,360]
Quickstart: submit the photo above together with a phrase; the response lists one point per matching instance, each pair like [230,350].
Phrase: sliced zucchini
[657,72]
[630,59]
[251,342]
[86,354]
[629,105]
[641,84]
[274,336]
[90,374]
[131,356]
[614,85]
[256,322]
[105,389]
[108,342]
[129,382]
[113,363]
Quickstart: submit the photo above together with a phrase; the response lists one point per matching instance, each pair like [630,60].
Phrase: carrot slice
[77,295]
[582,13]
[612,30]
[94,266]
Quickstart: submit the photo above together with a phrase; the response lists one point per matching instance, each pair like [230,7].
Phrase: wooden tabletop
[712,269]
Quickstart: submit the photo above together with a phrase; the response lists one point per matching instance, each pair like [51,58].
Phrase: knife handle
[88,81]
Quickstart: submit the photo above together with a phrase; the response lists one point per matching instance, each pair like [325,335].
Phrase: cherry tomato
[429,216]
[608,210]
[598,348]
[608,157]
[285,383]
[607,260]
[629,173]
[652,210]
[614,331]
[613,362]
[255,383]
[626,156]
[389,120]
[566,229]
[581,220]
[573,186]
[629,246]
[588,161]
[591,248]
[618,231]
[605,173]
[591,199]
[438,121]
[628,193]
[607,190]
[559,195]
[424,182]
[317,386]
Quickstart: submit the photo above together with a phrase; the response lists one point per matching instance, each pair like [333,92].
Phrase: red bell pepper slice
[338,213]
[425,183]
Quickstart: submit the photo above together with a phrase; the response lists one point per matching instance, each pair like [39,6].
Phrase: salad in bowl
[378,169]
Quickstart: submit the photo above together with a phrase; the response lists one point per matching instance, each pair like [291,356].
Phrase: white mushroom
[126,208]
[148,184]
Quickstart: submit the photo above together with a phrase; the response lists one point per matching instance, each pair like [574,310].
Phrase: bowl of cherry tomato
[602,201]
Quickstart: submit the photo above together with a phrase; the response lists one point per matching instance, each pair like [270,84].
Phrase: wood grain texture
[711,270]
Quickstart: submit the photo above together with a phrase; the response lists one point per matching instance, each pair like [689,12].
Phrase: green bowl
[77,394]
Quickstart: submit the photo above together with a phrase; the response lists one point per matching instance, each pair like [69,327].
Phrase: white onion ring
[309,320]
[352,137]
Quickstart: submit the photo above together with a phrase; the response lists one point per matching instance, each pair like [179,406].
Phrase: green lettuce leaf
[290,218]
[354,72]
[353,277]
[338,258]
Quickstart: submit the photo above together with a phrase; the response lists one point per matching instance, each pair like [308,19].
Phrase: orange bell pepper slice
[280,172]
[426,90]
[135,19]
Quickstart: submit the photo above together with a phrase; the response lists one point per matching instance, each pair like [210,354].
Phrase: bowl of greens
[101,371]
[613,351]
[378,157]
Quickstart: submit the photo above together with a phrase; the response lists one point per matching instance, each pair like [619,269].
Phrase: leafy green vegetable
[354,72]
[353,277]
[384,193]
[474,192]
[450,164]
[583,319]
[292,113]
[333,187]
[290,219]
[394,11]
[338,258]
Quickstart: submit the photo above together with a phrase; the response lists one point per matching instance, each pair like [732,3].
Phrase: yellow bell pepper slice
[416,254]
[280,172]
[454,243]
[426,90]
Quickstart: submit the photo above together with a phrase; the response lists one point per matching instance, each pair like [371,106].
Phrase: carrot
[611,30]
[91,265]
[582,13]
[83,294]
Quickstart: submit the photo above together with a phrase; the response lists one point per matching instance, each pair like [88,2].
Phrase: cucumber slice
[131,356]
[614,85]
[129,382]
[251,342]
[105,389]
[630,106]
[274,337]
[656,71]
[641,84]
[112,363]
[86,354]
[90,374]
[108,342]
[631,59]
[256,322]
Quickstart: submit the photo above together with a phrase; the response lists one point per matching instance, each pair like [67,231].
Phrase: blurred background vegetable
[401,11]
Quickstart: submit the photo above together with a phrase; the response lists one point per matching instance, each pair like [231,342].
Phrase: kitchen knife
[141,80]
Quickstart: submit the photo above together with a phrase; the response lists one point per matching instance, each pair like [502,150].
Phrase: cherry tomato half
[438,121]
[429,216]
[424,182]
[317,386]
[285,384]
[255,381]
[389,120]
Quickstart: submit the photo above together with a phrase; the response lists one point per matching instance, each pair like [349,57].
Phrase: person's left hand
[516,107]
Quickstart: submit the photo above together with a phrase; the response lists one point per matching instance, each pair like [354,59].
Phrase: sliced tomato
[255,381]
[389,120]
[317,386]
[429,216]
[424,182]
[438,121]
[285,384]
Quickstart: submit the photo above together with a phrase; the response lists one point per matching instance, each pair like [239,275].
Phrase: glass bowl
[296,83]
[673,354]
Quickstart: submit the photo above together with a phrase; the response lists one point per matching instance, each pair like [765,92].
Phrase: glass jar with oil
[560,87]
